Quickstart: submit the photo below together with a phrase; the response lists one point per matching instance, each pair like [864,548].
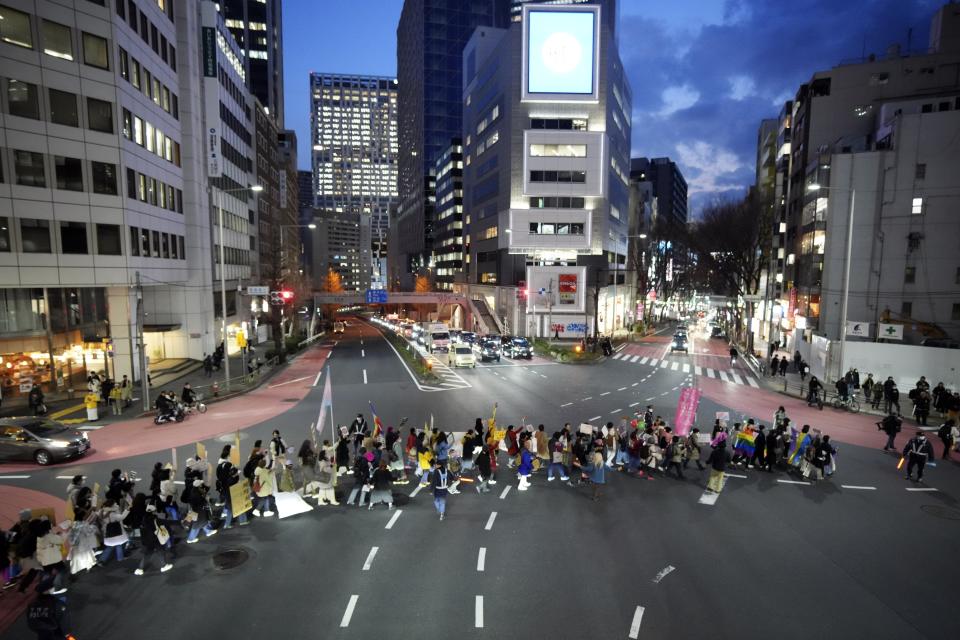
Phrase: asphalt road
[768,559]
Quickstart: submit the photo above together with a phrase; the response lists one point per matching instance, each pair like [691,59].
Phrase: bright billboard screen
[560,52]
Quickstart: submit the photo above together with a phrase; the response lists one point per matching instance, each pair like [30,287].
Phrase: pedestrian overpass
[476,314]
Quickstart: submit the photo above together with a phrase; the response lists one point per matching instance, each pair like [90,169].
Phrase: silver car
[40,439]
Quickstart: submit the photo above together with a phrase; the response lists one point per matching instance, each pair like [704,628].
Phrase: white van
[436,337]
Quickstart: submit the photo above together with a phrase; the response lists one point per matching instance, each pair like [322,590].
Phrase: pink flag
[686,411]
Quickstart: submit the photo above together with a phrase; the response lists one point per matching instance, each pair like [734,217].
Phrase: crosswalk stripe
[676,365]
[686,368]
[697,370]
[723,376]
[634,358]
[645,360]
[664,364]
[736,378]
[711,373]
[751,382]
[616,356]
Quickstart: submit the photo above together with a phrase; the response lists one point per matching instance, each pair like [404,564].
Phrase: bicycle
[851,404]
[815,397]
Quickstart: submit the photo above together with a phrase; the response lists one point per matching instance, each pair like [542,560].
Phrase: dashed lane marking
[369,561]
[663,573]
[635,384]
[634,404]
[489,525]
[853,486]
[506,490]
[605,393]
[481,558]
[734,475]
[364,376]
[615,411]
[393,519]
[920,489]
[587,398]
[478,613]
[351,605]
[635,625]
[622,389]
[14,477]
[793,482]
[594,418]
[566,404]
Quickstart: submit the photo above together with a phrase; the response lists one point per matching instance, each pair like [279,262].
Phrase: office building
[288,214]
[546,149]
[341,243]
[430,39]
[448,247]
[835,118]
[669,187]
[355,153]
[257,27]
[268,267]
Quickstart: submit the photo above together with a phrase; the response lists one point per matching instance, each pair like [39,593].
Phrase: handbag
[163,536]
[256,485]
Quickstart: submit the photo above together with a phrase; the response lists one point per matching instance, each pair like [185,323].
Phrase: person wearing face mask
[917,452]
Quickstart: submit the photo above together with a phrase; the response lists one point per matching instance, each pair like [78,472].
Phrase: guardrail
[311,339]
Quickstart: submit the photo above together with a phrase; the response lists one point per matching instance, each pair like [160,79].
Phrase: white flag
[325,403]
[890,331]
[858,329]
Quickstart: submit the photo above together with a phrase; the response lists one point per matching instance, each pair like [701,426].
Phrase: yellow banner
[201,450]
[240,498]
[235,451]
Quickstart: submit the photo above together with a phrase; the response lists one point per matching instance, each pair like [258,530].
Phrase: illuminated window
[558,150]
[916,207]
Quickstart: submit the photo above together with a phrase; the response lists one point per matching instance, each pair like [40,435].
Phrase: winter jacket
[719,458]
[483,463]
[50,549]
[526,462]
[267,483]
[382,479]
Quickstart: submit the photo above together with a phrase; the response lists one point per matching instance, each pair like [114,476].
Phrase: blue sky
[703,72]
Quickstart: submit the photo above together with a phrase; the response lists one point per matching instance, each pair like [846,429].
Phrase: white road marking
[345,620]
[709,498]
[635,625]
[481,558]
[594,418]
[622,389]
[283,383]
[616,356]
[66,477]
[369,561]
[711,373]
[615,411]
[541,375]
[920,489]
[634,384]
[853,486]
[664,364]
[417,490]
[634,404]
[621,347]
[90,427]
[649,399]
[675,388]
[478,613]
[363,353]
[697,370]
[793,482]
[316,380]
[393,519]
[506,490]
[566,404]
[634,358]
[364,376]
[686,368]
[664,393]
[675,366]
[587,398]
[734,475]
[736,378]
[751,382]
[493,516]
[14,477]
[723,376]
[663,573]
[645,361]
[605,393]
[653,362]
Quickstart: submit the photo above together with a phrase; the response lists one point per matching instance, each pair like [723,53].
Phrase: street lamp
[813,186]
[223,281]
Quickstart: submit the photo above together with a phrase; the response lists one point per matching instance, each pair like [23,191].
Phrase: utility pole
[550,309]
[144,382]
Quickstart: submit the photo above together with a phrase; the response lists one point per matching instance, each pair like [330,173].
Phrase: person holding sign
[228,476]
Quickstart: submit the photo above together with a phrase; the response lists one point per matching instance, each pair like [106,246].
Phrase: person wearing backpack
[228,476]
[47,616]
[154,538]
[674,456]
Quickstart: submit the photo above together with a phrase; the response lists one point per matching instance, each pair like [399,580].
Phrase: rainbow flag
[746,442]
[377,424]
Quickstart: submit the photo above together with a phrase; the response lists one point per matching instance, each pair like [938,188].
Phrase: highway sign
[376,296]
[258,290]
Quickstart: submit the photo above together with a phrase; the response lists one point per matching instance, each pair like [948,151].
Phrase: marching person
[440,488]
[324,481]
[382,481]
[151,532]
[227,476]
[693,449]
[718,461]
[200,513]
[525,468]
[358,431]
[917,452]
[482,462]
[264,483]
[946,435]
[361,477]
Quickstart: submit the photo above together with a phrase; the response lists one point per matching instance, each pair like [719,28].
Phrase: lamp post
[845,296]
[223,281]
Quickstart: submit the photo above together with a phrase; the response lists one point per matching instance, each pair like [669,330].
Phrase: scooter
[196,406]
[175,415]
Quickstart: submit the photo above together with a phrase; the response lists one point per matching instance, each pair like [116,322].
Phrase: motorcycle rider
[733,355]
[188,396]
[164,406]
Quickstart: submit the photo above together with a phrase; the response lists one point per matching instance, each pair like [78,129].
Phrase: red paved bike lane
[141,435]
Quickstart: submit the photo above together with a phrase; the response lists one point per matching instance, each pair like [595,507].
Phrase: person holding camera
[891,426]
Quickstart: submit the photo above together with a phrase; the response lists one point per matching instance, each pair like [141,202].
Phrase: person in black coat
[760,448]
[482,462]
[149,526]
[917,452]
[361,477]
[200,507]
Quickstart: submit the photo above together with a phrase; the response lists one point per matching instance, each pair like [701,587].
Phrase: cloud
[702,86]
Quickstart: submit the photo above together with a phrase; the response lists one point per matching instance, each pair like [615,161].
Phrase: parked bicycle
[851,404]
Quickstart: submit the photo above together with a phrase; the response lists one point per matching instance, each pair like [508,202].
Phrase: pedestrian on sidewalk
[207,365]
[946,433]
[774,365]
[917,452]
[921,406]
[783,368]
[116,399]
[891,426]
[35,400]
[804,371]
[440,488]
[718,461]
[126,391]
[867,387]
[797,359]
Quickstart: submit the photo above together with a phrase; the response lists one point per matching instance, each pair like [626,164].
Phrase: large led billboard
[560,54]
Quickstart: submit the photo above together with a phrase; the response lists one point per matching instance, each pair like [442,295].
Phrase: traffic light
[286,295]
[522,290]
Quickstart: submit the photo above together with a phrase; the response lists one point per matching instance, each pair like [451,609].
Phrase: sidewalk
[172,378]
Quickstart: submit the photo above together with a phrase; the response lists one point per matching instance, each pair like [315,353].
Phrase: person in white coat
[115,536]
[50,556]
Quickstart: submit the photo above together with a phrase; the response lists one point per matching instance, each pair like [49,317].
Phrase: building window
[134,241]
[127,123]
[57,40]
[906,309]
[28,166]
[131,184]
[910,275]
[63,108]
[138,130]
[124,64]
[156,244]
[69,173]
[100,115]
[96,52]
[183,254]
[104,178]
[558,150]
[141,187]
[488,233]
[916,207]
[920,172]
[15,28]
[173,247]
[121,7]
[108,240]
[35,235]
[4,233]
[73,237]
[557,202]
[165,245]
[22,99]
[577,177]
[556,228]
[135,73]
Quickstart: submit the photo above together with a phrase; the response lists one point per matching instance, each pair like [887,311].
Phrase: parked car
[461,355]
[40,439]
[679,343]
[488,349]
[518,348]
